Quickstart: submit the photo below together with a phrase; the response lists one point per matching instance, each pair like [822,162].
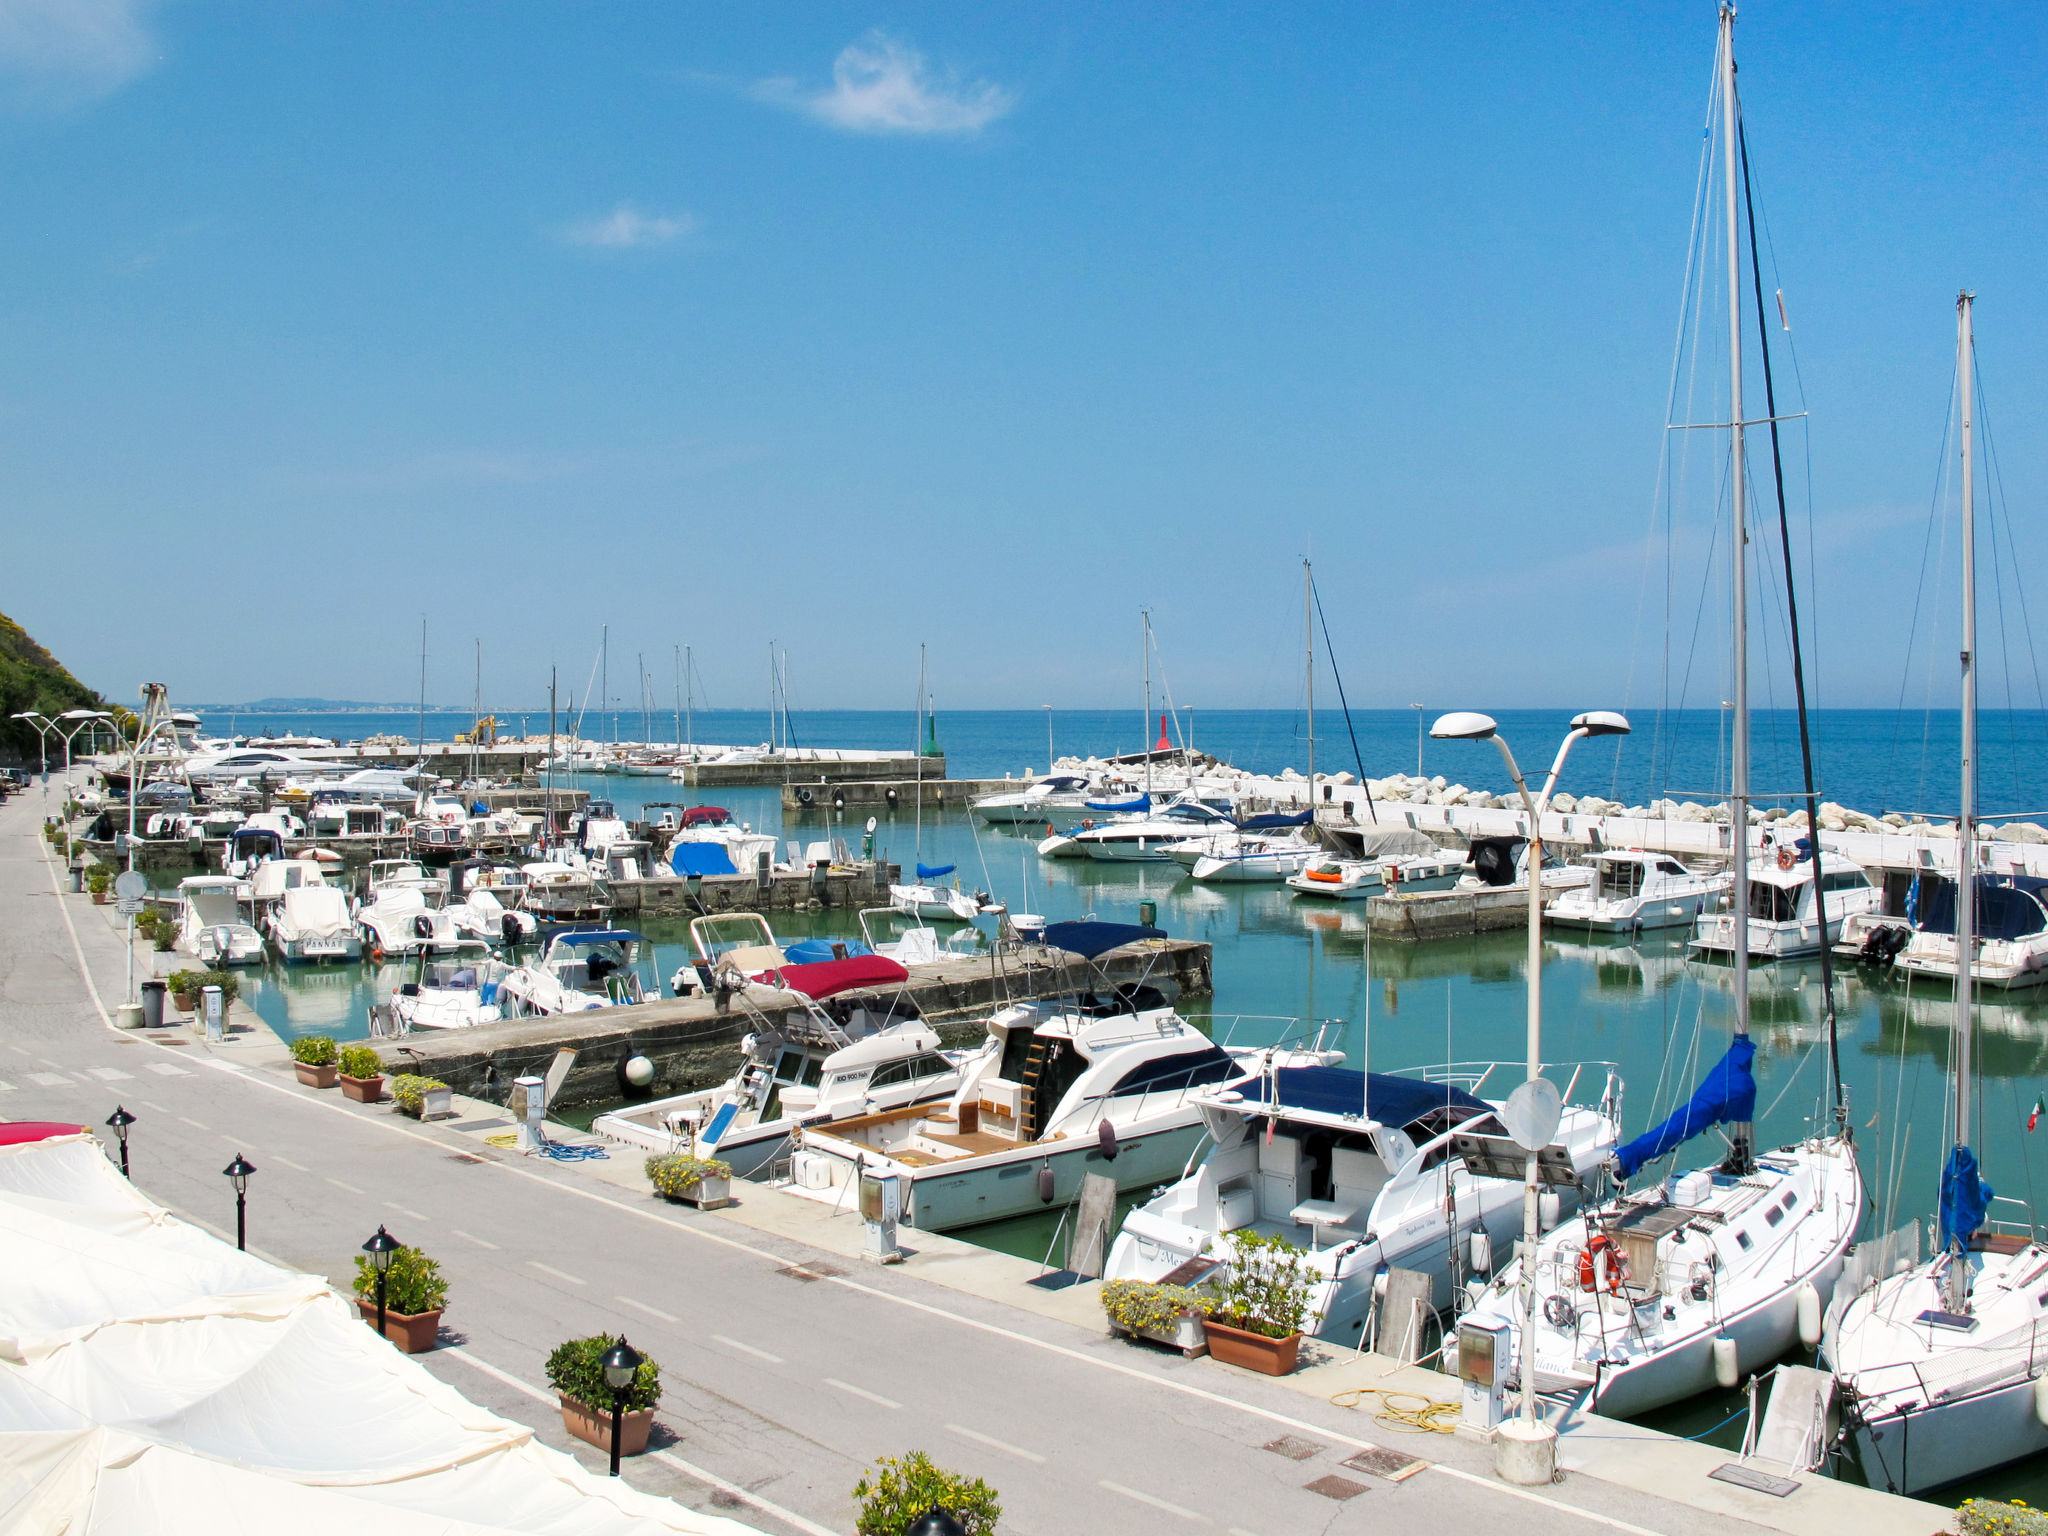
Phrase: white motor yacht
[313,923]
[1364,1171]
[1784,916]
[709,842]
[2011,930]
[557,891]
[406,919]
[940,903]
[580,970]
[451,991]
[1633,891]
[1037,802]
[212,924]
[1148,837]
[1339,879]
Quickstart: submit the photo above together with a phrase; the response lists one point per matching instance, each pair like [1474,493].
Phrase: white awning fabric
[155,1380]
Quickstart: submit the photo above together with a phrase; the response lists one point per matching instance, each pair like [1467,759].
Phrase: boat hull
[1669,912]
[1952,1440]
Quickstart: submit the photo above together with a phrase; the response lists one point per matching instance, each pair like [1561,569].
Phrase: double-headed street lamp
[43,727]
[80,720]
[381,1248]
[238,1173]
[118,1122]
[1528,1446]
[621,1364]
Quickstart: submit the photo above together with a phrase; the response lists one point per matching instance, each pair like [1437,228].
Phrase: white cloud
[58,53]
[626,228]
[880,85]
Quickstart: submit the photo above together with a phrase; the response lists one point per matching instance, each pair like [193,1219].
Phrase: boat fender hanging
[423,926]
[636,1071]
[1045,1183]
[1727,1368]
[1809,1315]
[803,797]
[1105,1140]
[1482,1252]
[2041,1399]
[1549,1209]
[889,795]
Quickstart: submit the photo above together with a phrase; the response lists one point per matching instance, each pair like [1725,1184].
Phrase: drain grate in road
[1293,1447]
[1394,1466]
[1334,1487]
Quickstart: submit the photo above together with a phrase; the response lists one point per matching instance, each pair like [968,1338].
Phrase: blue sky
[983,326]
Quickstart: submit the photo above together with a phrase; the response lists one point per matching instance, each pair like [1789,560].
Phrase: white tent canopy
[152,1379]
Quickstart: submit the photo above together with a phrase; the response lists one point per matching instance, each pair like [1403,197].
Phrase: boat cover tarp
[1964,1197]
[1388,842]
[1493,859]
[1388,1099]
[701,859]
[1273,821]
[1139,803]
[1728,1093]
[1089,939]
[706,816]
[935,871]
[2008,906]
[817,951]
[828,978]
[158,1381]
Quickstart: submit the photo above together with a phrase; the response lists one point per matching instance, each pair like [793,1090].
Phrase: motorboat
[560,892]
[271,879]
[1502,863]
[1364,1170]
[1332,878]
[597,826]
[211,925]
[391,874]
[581,969]
[1147,837]
[312,923]
[940,903]
[1037,802]
[1255,860]
[488,901]
[1784,905]
[450,991]
[2011,931]
[406,919]
[906,939]
[1633,890]
[250,845]
[709,842]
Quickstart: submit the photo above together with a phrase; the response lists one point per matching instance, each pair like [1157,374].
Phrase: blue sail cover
[1273,821]
[1728,1093]
[1089,939]
[934,871]
[701,859]
[1964,1197]
[1141,803]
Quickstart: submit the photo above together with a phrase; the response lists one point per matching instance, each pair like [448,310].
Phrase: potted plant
[314,1058]
[1261,1301]
[424,1098]
[1166,1314]
[362,1074]
[415,1295]
[704,1182]
[100,880]
[184,987]
[900,1489]
[576,1372]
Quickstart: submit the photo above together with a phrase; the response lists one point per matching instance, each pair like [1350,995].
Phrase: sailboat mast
[604,680]
[423,690]
[1145,737]
[679,695]
[917,751]
[1308,639]
[1966,821]
[476,713]
[1738,771]
[690,702]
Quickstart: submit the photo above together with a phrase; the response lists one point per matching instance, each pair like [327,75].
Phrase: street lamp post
[43,729]
[381,1248]
[621,1364]
[1527,1451]
[118,1122]
[238,1173]
[84,719]
[936,1522]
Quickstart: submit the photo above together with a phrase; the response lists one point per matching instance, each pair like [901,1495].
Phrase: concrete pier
[868,796]
[1450,914]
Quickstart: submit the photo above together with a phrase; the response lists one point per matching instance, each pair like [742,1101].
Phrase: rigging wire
[1316,593]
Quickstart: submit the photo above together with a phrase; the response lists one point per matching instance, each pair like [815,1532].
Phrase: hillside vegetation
[31,678]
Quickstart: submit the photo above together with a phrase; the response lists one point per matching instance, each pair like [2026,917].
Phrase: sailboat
[1944,1368]
[1650,1296]
[926,898]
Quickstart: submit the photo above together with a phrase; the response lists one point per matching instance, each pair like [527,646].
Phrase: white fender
[2041,1399]
[1727,1371]
[1549,1210]
[1482,1252]
[1809,1315]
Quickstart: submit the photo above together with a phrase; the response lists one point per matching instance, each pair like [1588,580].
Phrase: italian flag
[2034,1118]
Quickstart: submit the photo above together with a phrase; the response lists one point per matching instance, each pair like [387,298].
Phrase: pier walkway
[788,1365]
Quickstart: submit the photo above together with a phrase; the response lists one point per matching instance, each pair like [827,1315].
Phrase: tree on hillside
[32,679]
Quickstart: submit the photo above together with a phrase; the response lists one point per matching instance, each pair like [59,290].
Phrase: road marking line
[688,1469]
[873,1397]
[407,1212]
[1237,1530]
[49,1079]
[1146,1498]
[20,1052]
[746,1349]
[480,1242]
[168,1069]
[349,1187]
[702,1233]
[279,1157]
[990,1440]
[6,1087]
[110,1074]
[548,1269]
[49,1063]
[154,1109]
[195,1124]
[641,1306]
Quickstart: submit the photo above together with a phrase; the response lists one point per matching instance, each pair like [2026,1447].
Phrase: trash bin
[77,878]
[153,1004]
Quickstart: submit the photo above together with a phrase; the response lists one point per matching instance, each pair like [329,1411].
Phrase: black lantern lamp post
[118,1122]
[935,1522]
[621,1364]
[381,1248]
[238,1173]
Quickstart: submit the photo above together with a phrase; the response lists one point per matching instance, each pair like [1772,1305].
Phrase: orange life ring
[1589,1265]
[1787,858]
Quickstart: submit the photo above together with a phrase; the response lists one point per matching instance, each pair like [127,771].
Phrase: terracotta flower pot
[188,1002]
[595,1428]
[413,1332]
[1253,1351]
[100,898]
[317,1077]
[364,1090]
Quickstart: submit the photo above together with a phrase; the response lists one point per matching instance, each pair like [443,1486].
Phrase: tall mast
[1738,767]
[1145,739]
[690,702]
[547,830]
[1308,636]
[423,690]
[1964,1062]
[679,695]
[476,712]
[604,681]
[917,748]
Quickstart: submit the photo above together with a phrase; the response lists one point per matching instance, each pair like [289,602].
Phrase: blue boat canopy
[1088,939]
[1345,1090]
[1273,821]
[1141,803]
[701,859]
[1964,1197]
[1727,1093]
[2008,906]
[818,951]
[935,871]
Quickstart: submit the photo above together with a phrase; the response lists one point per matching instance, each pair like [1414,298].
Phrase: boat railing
[2010,1358]
[1472,1075]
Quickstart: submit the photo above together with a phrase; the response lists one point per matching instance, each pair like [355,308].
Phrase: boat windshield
[1774,903]
[1621,878]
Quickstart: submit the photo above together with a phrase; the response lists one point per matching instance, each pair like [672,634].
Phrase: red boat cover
[14,1133]
[827,978]
[700,815]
